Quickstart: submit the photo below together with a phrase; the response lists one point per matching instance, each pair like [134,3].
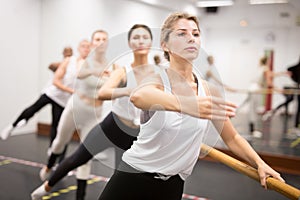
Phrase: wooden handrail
[272,183]
[269,91]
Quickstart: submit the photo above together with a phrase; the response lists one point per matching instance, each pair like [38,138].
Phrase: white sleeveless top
[122,106]
[59,96]
[169,142]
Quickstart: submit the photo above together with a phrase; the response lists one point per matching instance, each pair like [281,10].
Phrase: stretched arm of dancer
[239,146]
[59,75]
[151,96]
[281,73]
[84,71]
[110,88]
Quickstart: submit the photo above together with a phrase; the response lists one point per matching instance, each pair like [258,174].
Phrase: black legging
[34,108]
[134,185]
[56,114]
[111,132]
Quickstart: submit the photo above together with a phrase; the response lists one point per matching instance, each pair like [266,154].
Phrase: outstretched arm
[151,96]
[110,88]
[240,147]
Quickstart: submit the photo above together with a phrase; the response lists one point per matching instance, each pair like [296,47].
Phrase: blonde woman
[168,145]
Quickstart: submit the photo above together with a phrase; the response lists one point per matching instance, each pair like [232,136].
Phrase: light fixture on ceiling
[152,2]
[267,1]
[214,3]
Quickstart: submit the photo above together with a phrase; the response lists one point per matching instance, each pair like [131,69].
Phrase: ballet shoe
[44,174]
[38,193]
[6,132]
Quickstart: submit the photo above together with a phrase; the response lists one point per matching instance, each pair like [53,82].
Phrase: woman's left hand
[265,171]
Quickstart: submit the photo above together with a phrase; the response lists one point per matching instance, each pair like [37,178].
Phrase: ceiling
[271,15]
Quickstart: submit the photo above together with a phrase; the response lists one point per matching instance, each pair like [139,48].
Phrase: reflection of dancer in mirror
[67,52]
[289,96]
[56,93]
[263,80]
[168,145]
[211,77]
[121,126]
[83,110]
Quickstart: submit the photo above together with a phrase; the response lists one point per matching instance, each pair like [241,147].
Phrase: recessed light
[215,3]
[267,1]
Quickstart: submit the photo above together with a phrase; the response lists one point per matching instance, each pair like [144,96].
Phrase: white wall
[66,22]
[20,57]
[34,32]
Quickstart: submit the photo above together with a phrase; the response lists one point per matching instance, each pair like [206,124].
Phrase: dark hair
[139,26]
[68,51]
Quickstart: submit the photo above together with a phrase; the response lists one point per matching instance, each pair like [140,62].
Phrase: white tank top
[59,96]
[169,142]
[122,106]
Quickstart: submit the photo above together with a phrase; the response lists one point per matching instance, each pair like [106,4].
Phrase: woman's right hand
[208,107]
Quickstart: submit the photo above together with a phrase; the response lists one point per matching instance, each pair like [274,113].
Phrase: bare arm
[151,96]
[110,88]
[83,71]
[239,146]
[282,73]
[59,75]
[86,71]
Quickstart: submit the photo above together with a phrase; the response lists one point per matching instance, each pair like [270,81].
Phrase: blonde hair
[167,27]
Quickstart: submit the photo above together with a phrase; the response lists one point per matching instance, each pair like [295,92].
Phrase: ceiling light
[267,1]
[215,3]
[152,2]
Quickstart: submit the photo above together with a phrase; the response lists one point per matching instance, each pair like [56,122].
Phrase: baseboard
[44,129]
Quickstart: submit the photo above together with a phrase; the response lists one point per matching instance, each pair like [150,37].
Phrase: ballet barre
[269,91]
[272,183]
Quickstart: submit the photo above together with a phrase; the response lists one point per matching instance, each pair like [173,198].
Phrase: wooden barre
[269,91]
[272,183]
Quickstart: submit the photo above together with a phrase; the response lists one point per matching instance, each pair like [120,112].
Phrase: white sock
[6,132]
[21,123]
[38,193]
